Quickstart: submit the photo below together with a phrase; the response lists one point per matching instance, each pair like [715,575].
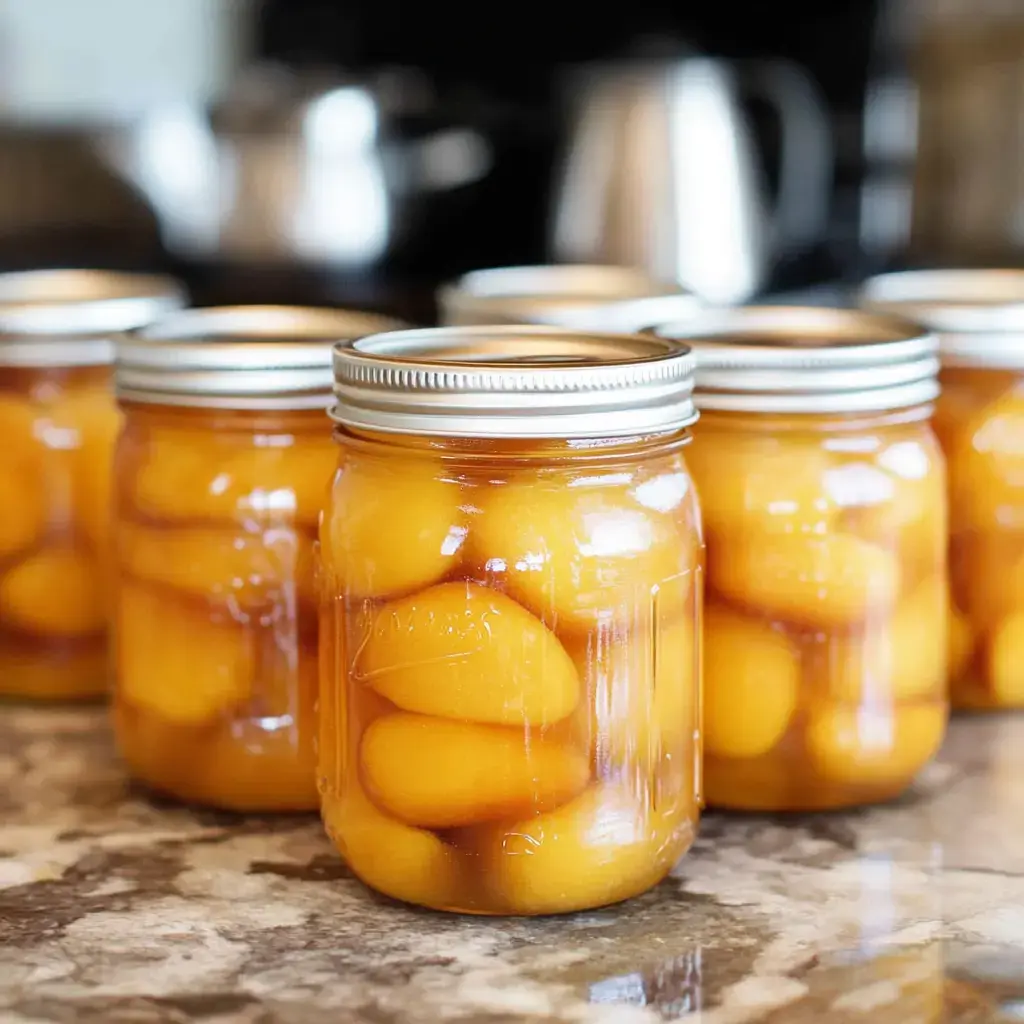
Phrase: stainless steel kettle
[662,173]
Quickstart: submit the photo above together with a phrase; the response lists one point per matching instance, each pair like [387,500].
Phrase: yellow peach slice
[57,593]
[186,475]
[677,676]
[966,396]
[179,663]
[909,513]
[769,783]
[986,467]
[398,860]
[24,511]
[752,679]
[772,485]
[580,555]
[987,570]
[870,746]
[823,582]
[343,710]
[92,418]
[462,651]
[157,753]
[960,649]
[436,773]
[296,478]
[392,527]
[286,684]
[234,765]
[255,766]
[1006,661]
[902,657]
[600,848]
[18,419]
[641,693]
[245,568]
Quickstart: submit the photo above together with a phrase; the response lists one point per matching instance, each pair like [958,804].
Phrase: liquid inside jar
[827,611]
[510,677]
[216,603]
[59,427]
[980,421]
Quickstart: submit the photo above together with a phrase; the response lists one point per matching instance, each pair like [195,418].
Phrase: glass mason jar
[512,553]
[586,298]
[59,423]
[979,418]
[822,489]
[222,470]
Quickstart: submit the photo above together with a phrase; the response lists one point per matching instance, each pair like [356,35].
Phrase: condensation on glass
[222,470]
[823,493]
[578,296]
[59,422]
[979,419]
[512,561]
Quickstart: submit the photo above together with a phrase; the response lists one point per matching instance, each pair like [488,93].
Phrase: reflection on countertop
[117,909]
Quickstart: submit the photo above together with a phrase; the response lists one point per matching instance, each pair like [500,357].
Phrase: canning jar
[59,422]
[979,418]
[512,557]
[222,469]
[596,298]
[825,620]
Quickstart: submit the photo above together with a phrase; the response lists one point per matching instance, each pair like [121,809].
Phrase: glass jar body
[980,422]
[215,603]
[59,426]
[827,608]
[510,687]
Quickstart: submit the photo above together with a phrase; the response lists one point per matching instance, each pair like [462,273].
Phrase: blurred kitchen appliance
[71,70]
[308,169]
[967,60]
[662,172]
[889,137]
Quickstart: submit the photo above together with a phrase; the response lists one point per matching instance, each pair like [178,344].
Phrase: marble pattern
[116,909]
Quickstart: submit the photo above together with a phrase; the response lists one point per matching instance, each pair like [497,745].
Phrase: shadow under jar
[222,471]
[823,493]
[509,709]
[979,418]
[58,423]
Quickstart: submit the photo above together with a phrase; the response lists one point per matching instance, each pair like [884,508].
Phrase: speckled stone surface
[117,910]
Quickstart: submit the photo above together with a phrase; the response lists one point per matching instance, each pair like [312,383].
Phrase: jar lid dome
[513,382]
[238,357]
[978,314]
[70,317]
[808,359]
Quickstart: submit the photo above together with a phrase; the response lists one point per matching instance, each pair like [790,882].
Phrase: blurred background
[360,151]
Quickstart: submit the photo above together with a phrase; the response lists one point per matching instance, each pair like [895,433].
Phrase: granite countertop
[118,910]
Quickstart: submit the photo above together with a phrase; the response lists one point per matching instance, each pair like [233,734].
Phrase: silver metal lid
[808,359]
[586,298]
[239,357]
[513,382]
[978,314]
[69,317]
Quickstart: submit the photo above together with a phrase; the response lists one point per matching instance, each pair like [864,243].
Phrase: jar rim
[572,295]
[238,357]
[523,381]
[808,359]
[977,313]
[68,317]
